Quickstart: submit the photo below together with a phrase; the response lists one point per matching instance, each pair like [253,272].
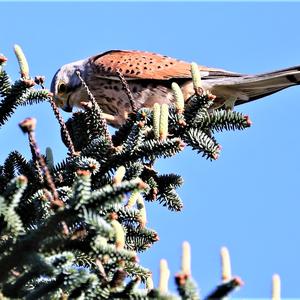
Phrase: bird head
[66,84]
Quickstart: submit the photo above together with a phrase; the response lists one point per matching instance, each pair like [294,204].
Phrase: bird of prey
[149,76]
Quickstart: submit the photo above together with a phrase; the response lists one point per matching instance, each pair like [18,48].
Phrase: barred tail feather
[253,87]
[269,83]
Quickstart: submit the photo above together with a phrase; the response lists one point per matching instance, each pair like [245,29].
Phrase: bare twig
[127,90]
[48,177]
[91,96]
[28,126]
[36,162]
[63,127]
[95,105]
[40,80]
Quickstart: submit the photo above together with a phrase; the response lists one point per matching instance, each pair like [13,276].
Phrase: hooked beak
[67,107]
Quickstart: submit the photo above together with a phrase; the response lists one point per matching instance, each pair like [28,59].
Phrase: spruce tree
[73,230]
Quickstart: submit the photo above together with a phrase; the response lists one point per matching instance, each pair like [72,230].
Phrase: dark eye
[62,88]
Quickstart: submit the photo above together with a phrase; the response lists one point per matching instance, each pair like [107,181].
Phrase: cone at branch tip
[120,234]
[3,59]
[23,64]
[179,99]
[249,122]
[276,287]
[181,144]
[225,264]
[164,118]
[28,125]
[164,275]
[120,173]
[216,156]
[238,282]
[22,180]
[83,173]
[186,259]
[196,76]
[156,120]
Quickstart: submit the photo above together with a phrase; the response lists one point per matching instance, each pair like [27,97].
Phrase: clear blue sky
[249,199]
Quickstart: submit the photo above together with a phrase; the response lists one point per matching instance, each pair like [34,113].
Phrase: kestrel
[149,76]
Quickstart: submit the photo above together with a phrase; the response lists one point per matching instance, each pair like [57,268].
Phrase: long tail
[252,87]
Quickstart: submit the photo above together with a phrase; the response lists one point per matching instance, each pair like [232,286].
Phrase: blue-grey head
[66,85]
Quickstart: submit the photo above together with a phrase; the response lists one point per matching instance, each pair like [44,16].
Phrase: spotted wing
[146,65]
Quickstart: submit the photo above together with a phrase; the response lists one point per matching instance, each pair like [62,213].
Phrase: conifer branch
[127,90]
[88,246]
